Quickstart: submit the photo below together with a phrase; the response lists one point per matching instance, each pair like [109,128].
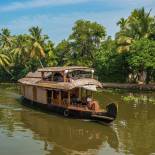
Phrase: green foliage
[138,99]
[109,64]
[130,57]
[85,41]
[142,57]
[140,24]
[63,53]
[142,54]
[23,53]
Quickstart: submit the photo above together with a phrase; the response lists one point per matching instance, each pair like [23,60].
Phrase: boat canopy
[64,69]
[90,87]
[35,79]
[87,83]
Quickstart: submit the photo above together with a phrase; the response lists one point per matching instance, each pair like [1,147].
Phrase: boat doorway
[49,96]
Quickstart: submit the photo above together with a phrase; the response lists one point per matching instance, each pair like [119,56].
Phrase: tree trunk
[148,76]
[41,63]
[142,76]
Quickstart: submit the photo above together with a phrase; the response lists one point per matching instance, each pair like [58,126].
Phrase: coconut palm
[5,38]
[138,25]
[37,42]
[122,23]
[20,48]
[4,60]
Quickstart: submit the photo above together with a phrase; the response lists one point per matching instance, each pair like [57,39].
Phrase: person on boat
[89,102]
[92,105]
[75,100]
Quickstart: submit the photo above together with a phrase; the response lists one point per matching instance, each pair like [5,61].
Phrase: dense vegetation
[129,57]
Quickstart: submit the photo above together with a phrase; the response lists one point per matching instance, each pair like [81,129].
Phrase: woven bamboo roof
[60,85]
[34,78]
[35,74]
[59,69]
[69,85]
[29,81]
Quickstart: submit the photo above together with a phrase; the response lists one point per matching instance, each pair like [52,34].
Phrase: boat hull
[72,113]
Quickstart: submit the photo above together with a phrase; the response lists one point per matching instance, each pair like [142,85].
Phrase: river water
[26,131]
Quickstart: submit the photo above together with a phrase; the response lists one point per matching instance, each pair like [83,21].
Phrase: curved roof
[35,74]
[34,79]
[60,85]
[29,81]
[69,85]
[59,69]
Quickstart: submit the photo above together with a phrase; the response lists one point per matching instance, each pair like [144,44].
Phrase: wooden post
[64,75]
[69,99]
[86,92]
[60,97]
[92,76]
[52,96]
[80,93]
[42,75]
[52,77]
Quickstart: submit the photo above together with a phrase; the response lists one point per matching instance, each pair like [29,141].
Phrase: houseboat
[67,91]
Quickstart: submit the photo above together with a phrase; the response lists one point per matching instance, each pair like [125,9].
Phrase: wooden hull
[102,117]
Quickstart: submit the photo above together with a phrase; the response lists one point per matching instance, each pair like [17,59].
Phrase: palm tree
[51,58]
[122,23]
[5,38]
[138,25]
[37,42]
[4,60]
[20,48]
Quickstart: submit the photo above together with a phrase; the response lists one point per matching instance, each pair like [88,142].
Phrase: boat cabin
[61,86]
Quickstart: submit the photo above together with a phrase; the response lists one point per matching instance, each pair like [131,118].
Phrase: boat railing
[80,76]
[64,102]
[77,105]
[57,101]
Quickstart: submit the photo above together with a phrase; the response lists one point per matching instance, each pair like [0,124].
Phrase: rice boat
[67,91]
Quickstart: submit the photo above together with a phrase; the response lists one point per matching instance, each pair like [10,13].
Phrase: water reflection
[69,136]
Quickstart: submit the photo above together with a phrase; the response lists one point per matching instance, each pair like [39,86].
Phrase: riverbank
[145,87]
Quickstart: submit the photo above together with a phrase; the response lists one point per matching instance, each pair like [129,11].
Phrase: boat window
[58,77]
[49,96]
[75,99]
[79,74]
[55,94]
[64,97]
[47,77]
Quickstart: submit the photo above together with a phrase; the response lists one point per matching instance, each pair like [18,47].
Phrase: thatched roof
[29,81]
[69,85]
[61,69]
[35,74]
[34,78]
[60,85]
[31,78]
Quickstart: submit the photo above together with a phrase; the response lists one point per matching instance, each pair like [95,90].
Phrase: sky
[57,17]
